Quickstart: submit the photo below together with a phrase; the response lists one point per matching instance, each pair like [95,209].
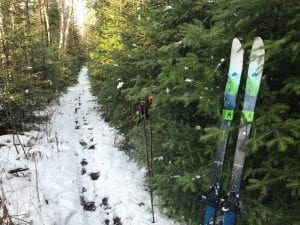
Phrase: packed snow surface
[82,178]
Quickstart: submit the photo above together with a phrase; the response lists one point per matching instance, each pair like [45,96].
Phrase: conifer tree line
[40,54]
[178,51]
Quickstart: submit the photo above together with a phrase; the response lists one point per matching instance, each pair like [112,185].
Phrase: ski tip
[237,48]
[258,39]
[236,42]
[257,48]
[257,57]
[258,44]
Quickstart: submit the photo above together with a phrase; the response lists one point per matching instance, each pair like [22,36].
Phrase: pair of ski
[230,206]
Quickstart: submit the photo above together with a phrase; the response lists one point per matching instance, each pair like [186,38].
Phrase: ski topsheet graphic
[231,91]
[252,88]
[212,197]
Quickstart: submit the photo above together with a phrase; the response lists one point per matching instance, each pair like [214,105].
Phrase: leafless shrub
[5,218]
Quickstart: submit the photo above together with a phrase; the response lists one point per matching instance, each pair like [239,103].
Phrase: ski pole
[145,112]
[150,98]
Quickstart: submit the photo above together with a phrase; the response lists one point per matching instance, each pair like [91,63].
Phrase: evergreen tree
[179,51]
[33,70]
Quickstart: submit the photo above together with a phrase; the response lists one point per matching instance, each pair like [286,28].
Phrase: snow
[168,90]
[120,84]
[159,158]
[179,42]
[198,127]
[188,80]
[74,147]
[168,7]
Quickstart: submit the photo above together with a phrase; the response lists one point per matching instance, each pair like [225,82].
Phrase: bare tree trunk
[68,24]
[2,40]
[40,17]
[13,13]
[3,28]
[62,24]
[140,8]
[46,16]
[27,55]
[27,15]
[41,28]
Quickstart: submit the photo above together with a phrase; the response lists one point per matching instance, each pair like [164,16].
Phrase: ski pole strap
[150,99]
[146,108]
[142,108]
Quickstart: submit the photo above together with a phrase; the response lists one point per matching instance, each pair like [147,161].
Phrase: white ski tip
[237,46]
[236,56]
[257,56]
[259,40]
[236,61]
[258,46]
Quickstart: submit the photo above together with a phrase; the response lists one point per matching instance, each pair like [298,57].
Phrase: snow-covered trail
[82,178]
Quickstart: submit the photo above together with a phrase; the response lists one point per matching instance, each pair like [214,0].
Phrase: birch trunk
[40,17]
[3,28]
[2,41]
[62,24]
[140,8]
[46,16]
[27,15]
[68,24]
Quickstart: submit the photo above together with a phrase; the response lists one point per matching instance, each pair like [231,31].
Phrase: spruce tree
[178,51]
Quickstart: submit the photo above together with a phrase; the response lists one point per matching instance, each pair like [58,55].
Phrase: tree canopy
[40,54]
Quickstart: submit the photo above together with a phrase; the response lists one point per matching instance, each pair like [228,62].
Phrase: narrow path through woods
[82,178]
[94,182]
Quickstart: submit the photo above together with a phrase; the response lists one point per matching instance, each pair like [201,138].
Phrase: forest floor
[73,173]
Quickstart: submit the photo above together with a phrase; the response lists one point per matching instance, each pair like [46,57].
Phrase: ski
[211,198]
[231,205]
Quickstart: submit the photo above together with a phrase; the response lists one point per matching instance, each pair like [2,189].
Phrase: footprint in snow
[105,204]
[83,189]
[91,147]
[87,205]
[117,221]
[95,176]
[83,143]
[83,162]
[83,171]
